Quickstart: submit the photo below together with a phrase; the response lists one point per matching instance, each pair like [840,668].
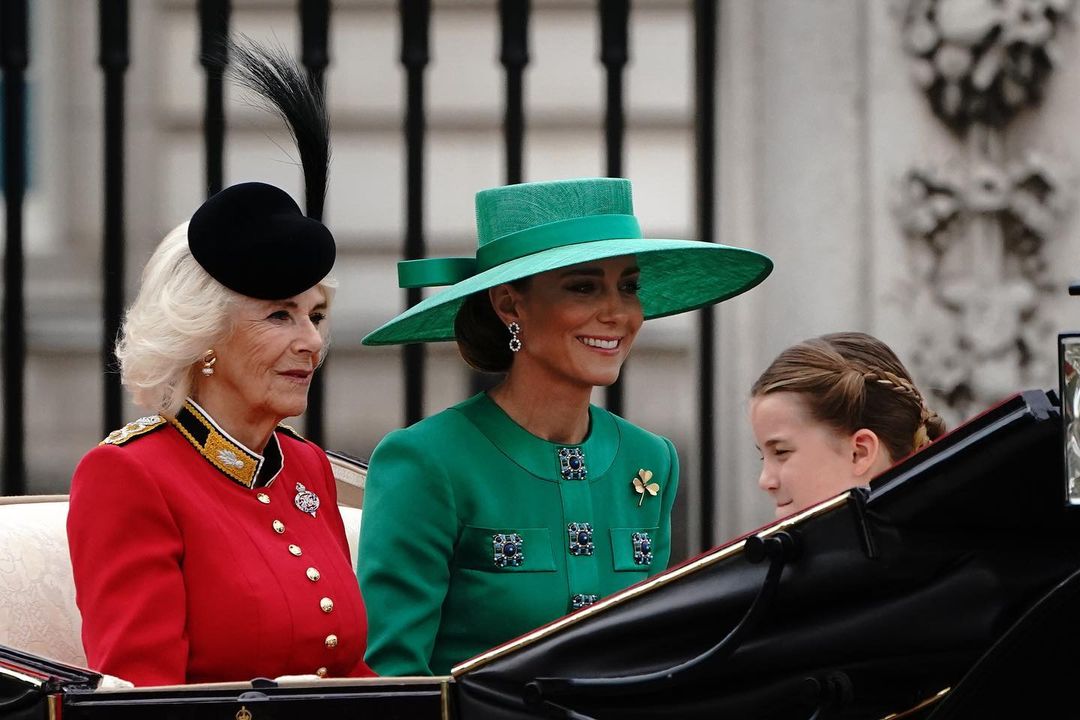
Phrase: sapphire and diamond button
[327,605]
[580,600]
[295,550]
[263,498]
[313,575]
[642,548]
[331,641]
[581,542]
[572,464]
[507,549]
[279,527]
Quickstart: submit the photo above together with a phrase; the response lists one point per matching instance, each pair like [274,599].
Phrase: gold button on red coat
[263,498]
[321,672]
[331,640]
[313,575]
[279,527]
[295,550]
[327,605]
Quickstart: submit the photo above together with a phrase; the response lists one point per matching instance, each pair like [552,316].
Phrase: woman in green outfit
[524,503]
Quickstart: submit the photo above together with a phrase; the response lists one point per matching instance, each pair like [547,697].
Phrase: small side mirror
[1069,388]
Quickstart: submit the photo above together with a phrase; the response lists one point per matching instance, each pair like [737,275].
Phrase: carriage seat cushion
[38,614]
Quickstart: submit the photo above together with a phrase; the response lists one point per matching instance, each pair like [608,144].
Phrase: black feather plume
[281,86]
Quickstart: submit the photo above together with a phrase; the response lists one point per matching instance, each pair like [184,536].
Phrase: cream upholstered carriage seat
[37,594]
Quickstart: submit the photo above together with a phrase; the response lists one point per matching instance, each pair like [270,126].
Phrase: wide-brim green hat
[532,228]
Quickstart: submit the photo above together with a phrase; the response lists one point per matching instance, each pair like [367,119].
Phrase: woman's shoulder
[134,443]
[429,445]
[439,428]
[643,449]
[637,435]
[133,456]
[134,431]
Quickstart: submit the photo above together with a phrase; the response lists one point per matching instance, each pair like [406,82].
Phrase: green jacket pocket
[632,548]
[505,549]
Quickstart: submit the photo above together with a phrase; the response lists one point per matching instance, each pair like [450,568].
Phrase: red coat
[183,574]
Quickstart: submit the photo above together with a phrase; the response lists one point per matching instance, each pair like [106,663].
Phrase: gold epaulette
[132,430]
[282,427]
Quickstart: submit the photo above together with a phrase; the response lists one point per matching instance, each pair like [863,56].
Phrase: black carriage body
[388,699]
[33,689]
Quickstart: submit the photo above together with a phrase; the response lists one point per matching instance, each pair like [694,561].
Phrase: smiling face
[264,367]
[577,323]
[805,461]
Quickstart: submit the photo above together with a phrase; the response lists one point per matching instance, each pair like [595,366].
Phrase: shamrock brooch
[642,485]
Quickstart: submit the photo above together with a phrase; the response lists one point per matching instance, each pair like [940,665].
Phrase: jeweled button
[327,605]
[295,550]
[313,574]
[263,498]
[580,537]
[331,640]
[321,672]
[279,527]
[582,600]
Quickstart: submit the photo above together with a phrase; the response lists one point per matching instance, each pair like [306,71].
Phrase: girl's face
[577,323]
[804,461]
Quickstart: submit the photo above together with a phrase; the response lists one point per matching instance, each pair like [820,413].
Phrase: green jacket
[466,540]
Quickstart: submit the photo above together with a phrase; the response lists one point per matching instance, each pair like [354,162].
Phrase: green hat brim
[676,276]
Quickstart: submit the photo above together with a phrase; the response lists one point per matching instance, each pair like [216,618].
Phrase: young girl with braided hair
[830,413]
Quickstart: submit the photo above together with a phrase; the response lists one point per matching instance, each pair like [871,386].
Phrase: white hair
[178,314]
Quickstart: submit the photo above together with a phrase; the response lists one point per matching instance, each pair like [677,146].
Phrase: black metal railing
[14,57]
[214,56]
[114,60]
[213,17]
[614,55]
[705,32]
[415,54]
[514,58]
[315,57]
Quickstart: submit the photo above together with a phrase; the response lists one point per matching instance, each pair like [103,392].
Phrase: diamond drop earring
[515,339]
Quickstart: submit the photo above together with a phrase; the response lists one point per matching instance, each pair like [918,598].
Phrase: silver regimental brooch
[305,500]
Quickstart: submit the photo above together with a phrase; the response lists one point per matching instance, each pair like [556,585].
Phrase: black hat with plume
[252,237]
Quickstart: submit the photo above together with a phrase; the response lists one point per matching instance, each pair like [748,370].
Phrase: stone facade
[820,121]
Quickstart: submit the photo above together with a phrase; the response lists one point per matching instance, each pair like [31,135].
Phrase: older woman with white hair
[205,538]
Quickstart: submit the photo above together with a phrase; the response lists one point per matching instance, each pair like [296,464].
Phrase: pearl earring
[208,360]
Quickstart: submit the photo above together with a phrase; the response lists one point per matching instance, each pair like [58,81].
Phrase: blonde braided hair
[851,381]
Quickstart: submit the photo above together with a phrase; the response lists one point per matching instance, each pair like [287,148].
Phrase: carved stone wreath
[979,276]
[981,61]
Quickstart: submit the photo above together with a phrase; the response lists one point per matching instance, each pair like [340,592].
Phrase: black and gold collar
[226,453]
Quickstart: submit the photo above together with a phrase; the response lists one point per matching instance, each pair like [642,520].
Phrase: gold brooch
[642,485]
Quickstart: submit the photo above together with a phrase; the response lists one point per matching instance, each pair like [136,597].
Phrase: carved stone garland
[977,237]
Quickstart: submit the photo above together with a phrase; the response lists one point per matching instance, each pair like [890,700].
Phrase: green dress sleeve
[406,544]
[662,546]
